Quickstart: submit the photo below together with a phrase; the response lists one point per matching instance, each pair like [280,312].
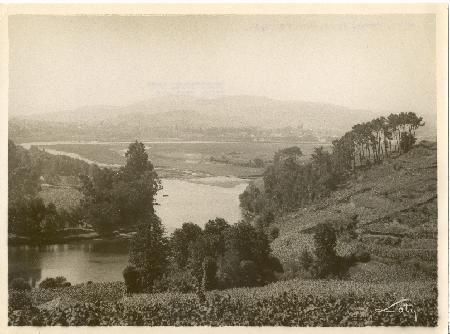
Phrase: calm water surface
[195,200]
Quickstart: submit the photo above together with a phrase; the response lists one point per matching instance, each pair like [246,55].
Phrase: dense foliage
[53,283]
[28,215]
[324,262]
[111,199]
[148,254]
[292,303]
[216,257]
[123,198]
[291,183]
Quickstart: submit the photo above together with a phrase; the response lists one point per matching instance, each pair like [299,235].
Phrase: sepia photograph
[226,167]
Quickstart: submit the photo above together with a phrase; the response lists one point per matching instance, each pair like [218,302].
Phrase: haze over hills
[188,117]
[227,111]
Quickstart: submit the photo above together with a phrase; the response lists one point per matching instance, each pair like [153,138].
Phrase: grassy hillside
[396,207]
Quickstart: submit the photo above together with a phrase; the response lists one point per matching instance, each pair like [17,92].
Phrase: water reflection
[78,262]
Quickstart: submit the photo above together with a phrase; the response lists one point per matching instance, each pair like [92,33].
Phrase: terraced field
[396,208]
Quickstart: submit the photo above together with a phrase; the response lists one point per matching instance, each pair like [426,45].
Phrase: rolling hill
[228,111]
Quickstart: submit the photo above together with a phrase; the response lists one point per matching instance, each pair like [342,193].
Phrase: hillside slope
[395,205]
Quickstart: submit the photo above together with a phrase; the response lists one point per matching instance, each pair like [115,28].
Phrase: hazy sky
[370,62]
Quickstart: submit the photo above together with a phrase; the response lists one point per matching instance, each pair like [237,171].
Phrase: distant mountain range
[186,112]
[229,111]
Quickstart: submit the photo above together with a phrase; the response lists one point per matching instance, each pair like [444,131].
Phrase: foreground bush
[53,283]
[131,277]
[283,310]
[293,303]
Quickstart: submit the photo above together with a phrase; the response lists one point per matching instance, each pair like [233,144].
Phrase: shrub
[326,263]
[53,283]
[131,277]
[325,251]
[325,241]
[19,284]
[48,283]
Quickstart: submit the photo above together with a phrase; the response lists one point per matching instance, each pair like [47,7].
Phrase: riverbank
[179,159]
[17,240]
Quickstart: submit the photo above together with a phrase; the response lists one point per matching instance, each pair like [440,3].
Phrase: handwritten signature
[402,306]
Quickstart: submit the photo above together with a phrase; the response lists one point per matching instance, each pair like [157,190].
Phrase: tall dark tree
[182,241]
[149,251]
[137,160]
[124,197]
[325,250]
[214,237]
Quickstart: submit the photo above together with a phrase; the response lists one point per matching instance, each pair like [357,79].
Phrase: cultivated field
[289,303]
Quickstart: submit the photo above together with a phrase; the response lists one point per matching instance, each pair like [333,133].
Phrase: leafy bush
[220,256]
[131,277]
[19,284]
[53,283]
[325,262]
